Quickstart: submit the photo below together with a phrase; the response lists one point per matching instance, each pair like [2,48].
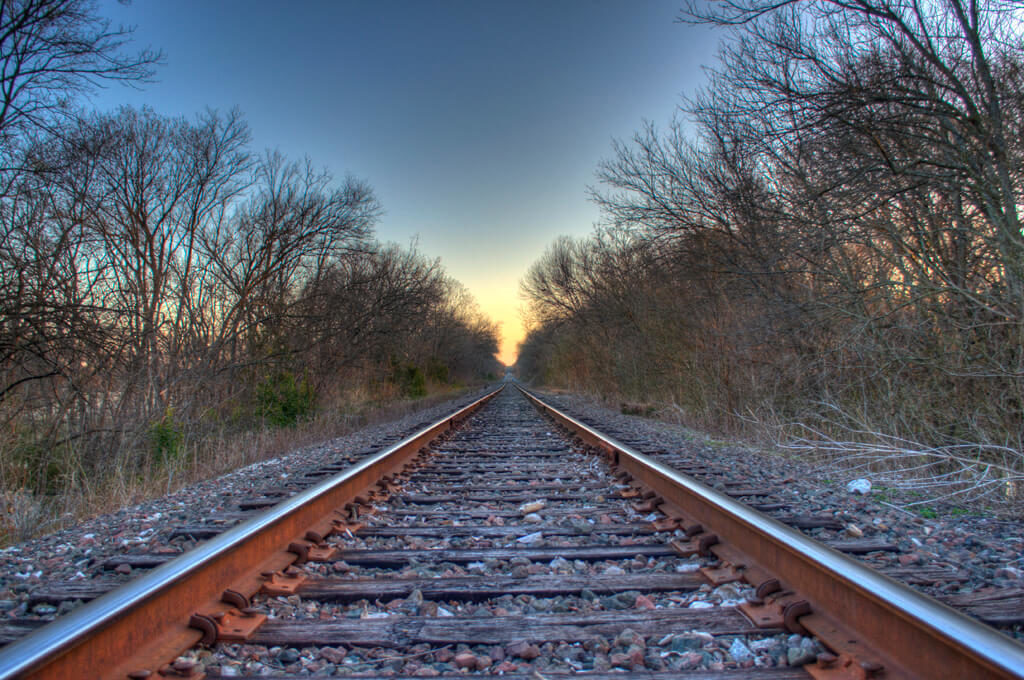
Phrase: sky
[478,124]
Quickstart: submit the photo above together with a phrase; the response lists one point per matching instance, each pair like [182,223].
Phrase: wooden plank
[402,557]
[996,606]
[590,510]
[55,593]
[768,507]
[203,531]
[554,467]
[405,631]
[741,492]
[484,531]
[137,560]
[1003,613]
[12,629]
[474,588]
[465,486]
[427,475]
[731,674]
[810,522]
[925,575]
[259,503]
[863,545]
[475,455]
[985,595]
[472,497]
[200,531]
[396,558]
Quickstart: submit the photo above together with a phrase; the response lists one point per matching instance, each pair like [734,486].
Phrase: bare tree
[292,230]
[915,94]
[53,50]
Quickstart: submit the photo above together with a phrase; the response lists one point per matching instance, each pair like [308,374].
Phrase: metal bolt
[827,660]
[872,669]
[766,588]
[181,668]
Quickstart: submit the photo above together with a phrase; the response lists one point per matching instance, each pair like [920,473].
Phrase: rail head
[881,606]
[26,656]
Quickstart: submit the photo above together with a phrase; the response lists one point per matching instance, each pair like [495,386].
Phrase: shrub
[165,438]
[437,371]
[410,380]
[283,401]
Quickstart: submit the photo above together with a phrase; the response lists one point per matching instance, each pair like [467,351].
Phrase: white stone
[861,486]
[739,651]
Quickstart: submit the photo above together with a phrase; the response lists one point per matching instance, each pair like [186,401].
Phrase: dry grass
[916,477]
[966,474]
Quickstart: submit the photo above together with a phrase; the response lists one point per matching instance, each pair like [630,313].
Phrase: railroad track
[505,547]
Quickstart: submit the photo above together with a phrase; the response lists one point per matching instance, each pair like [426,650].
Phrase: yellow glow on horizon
[500,301]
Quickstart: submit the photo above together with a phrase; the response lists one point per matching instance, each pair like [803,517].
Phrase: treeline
[159,279]
[830,237]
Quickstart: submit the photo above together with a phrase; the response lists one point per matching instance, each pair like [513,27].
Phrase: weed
[283,401]
[438,372]
[410,380]
[882,494]
[165,438]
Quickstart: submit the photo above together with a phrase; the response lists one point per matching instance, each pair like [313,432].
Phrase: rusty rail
[145,623]
[916,636]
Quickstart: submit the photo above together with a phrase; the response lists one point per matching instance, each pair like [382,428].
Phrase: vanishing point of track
[525,515]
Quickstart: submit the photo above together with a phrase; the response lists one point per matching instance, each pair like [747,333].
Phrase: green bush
[283,401]
[437,371]
[410,380]
[166,437]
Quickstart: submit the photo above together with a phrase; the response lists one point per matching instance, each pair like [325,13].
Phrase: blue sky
[479,124]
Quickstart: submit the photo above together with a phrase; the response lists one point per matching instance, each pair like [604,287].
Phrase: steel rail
[100,639]
[922,637]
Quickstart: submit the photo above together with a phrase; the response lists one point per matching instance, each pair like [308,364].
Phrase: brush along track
[513,550]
